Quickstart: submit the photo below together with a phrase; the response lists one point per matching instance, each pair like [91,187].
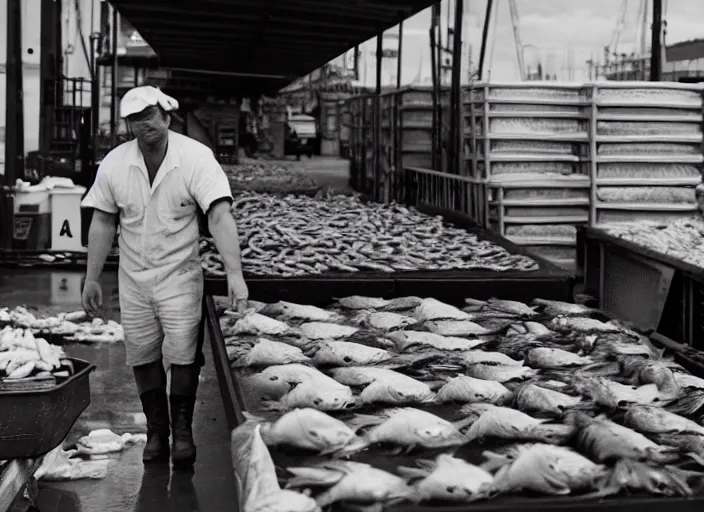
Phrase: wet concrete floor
[115,405]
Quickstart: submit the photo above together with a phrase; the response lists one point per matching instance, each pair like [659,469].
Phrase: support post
[656,43]
[456,154]
[485,36]
[113,79]
[376,134]
[434,78]
[49,72]
[399,61]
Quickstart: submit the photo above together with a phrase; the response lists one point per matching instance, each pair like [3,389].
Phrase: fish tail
[411,473]
[253,417]
[360,421]
[351,449]
[689,404]
[272,405]
[474,302]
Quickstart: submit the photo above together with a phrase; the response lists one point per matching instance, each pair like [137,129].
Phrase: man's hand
[92,299]
[237,292]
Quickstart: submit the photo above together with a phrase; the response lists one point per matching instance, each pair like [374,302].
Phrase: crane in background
[516,22]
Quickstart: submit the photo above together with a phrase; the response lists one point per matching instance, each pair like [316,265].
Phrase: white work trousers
[161,313]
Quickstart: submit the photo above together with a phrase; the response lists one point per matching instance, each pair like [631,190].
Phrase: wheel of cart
[36,419]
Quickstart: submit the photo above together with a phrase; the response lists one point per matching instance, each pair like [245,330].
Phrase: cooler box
[66,219]
[32,222]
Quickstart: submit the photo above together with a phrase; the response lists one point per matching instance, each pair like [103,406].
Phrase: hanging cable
[494,24]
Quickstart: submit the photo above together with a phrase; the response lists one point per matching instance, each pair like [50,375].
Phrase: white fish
[387,321]
[294,311]
[559,308]
[326,331]
[258,487]
[327,395]
[605,440]
[468,389]
[276,381]
[360,302]
[687,380]
[402,304]
[345,353]
[268,353]
[307,429]
[407,339]
[456,328]
[500,373]
[531,397]
[433,309]
[448,479]
[614,394]
[258,324]
[507,423]
[547,469]
[350,481]
[407,427]
[384,386]
[513,307]
[482,356]
[570,324]
[553,358]
[656,420]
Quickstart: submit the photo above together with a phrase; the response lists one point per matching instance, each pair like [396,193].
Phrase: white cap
[137,99]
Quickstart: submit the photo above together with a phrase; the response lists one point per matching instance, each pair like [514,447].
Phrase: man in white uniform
[153,186]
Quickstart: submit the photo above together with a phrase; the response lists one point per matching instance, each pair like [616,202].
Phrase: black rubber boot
[156,409]
[183,451]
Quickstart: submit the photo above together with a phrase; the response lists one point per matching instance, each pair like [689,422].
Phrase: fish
[634,475]
[277,380]
[501,374]
[448,479]
[358,302]
[344,353]
[655,420]
[468,389]
[256,482]
[645,371]
[432,309]
[326,331]
[531,397]
[287,235]
[307,429]
[605,441]
[402,304]
[687,380]
[292,311]
[406,426]
[512,307]
[327,395]
[407,339]
[614,394]
[456,328]
[385,320]
[350,481]
[482,356]
[260,325]
[488,420]
[384,386]
[546,469]
[583,324]
[269,353]
[559,308]
[553,358]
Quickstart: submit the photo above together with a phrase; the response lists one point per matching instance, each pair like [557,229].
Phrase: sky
[548,29]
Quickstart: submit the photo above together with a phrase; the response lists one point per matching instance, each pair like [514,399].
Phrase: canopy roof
[265,44]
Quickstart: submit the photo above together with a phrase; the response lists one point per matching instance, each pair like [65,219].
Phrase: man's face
[150,126]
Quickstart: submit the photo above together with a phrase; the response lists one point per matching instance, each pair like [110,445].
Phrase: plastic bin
[66,219]
[33,423]
[32,222]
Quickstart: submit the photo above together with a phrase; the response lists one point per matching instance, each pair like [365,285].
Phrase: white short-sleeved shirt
[158,223]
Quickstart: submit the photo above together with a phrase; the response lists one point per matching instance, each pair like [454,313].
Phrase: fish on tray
[448,478]
[324,395]
[545,469]
[656,420]
[605,441]
[384,386]
[404,340]
[276,381]
[583,324]
[511,307]
[646,371]
[610,393]
[358,302]
[306,429]
[465,389]
[350,481]
[535,329]
[383,320]
[269,353]
[487,420]
[432,309]
[482,356]
[292,311]
[500,373]
[553,358]
[456,328]
[558,308]
[257,324]
[534,398]
[408,427]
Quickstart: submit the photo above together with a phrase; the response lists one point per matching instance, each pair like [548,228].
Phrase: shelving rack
[525,147]
[646,146]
